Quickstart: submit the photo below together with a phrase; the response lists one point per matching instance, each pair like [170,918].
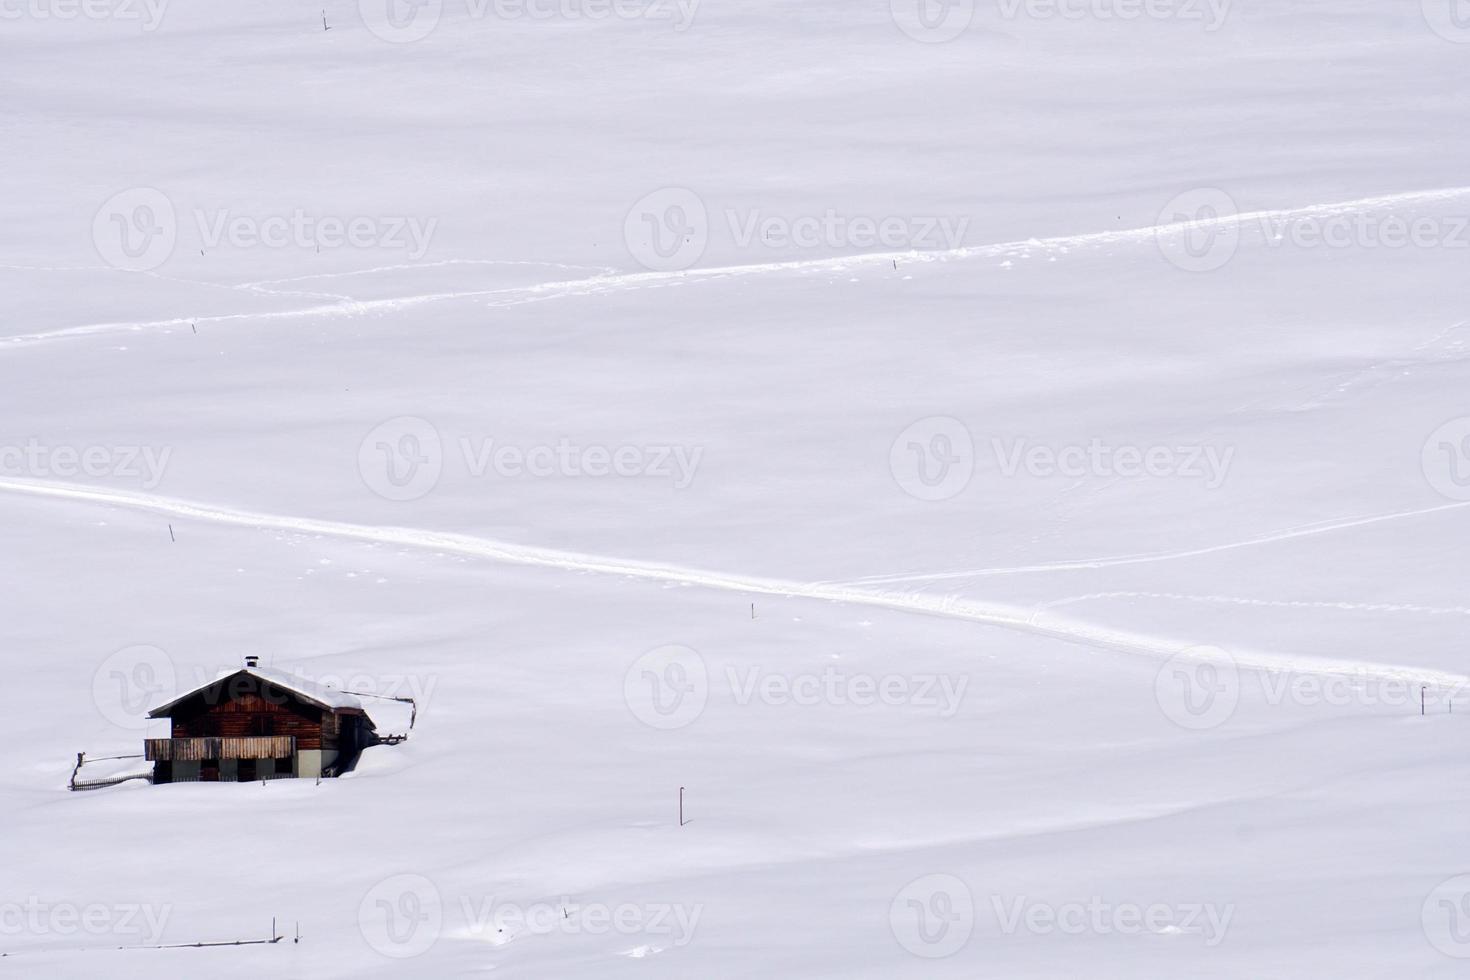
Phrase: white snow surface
[941,703]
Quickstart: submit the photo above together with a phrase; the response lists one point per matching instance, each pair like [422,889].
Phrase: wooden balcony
[198,749]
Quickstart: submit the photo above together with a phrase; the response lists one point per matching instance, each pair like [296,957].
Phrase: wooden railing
[79,781]
[198,749]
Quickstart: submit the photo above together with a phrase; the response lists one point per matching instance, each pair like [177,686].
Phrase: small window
[283,766]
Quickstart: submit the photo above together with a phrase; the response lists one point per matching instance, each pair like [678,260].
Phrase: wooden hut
[258,723]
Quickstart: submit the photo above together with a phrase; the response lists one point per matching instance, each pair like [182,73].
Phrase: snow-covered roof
[310,691]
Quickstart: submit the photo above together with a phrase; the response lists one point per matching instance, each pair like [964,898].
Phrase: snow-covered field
[1007,462]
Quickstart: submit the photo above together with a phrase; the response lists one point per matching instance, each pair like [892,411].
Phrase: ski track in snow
[1005,616]
[514,295]
[1230,600]
[1303,531]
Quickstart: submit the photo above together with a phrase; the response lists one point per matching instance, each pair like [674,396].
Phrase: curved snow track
[1005,616]
[863,592]
[1160,235]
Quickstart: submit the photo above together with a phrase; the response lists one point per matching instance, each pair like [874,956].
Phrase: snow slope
[1015,485]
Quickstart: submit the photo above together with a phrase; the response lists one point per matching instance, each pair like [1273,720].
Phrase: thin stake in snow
[324,21]
[171,534]
[681,806]
[752,610]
